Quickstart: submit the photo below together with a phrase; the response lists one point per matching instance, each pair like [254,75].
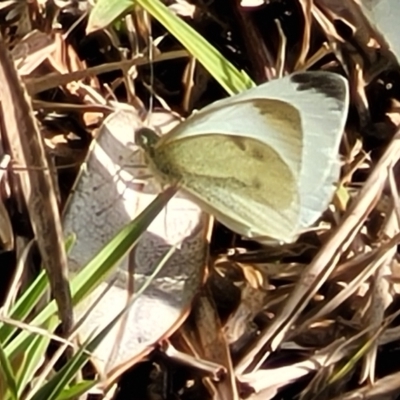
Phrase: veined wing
[244,183]
[301,116]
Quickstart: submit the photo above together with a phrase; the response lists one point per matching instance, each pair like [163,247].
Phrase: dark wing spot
[327,83]
[251,147]
[256,184]
[239,142]
[257,154]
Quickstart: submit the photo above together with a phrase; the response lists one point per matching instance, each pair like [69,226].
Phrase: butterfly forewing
[274,123]
[323,99]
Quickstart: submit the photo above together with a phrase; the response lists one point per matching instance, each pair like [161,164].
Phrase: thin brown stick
[26,147]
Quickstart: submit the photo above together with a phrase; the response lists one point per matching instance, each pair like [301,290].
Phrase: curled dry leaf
[31,51]
[104,200]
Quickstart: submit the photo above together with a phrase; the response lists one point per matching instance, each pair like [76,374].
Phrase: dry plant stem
[335,42]
[27,148]
[324,262]
[6,231]
[213,343]
[17,279]
[371,262]
[261,58]
[364,34]
[383,389]
[306,6]
[322,52]
[208,368]
[375,315]
[53,80]
[381,296]
[280,59]
[188,80]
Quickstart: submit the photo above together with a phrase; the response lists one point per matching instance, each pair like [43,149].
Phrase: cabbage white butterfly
[263,162]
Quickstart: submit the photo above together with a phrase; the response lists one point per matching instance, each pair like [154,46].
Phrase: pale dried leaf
[105,199]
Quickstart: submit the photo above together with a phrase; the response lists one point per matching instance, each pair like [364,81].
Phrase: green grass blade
[223,71]
[93,273]
[24,305]
[7,375]
[58,384]
[76,390]
[55,388]
[101,265]
[28,300]
[34,354]
[105,12]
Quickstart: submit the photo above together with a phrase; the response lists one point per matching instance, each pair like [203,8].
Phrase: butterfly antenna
[151,66]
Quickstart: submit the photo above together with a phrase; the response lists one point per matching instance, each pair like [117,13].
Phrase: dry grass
[312,320]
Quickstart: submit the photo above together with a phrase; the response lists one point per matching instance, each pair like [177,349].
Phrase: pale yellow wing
[296,121]
[241,181]
[301,116]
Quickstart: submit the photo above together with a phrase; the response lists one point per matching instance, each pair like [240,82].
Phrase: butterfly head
[146,139]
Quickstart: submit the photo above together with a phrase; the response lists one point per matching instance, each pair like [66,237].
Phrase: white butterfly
[263,162]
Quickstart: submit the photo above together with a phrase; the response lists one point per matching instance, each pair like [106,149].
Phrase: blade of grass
[224,72]
[28,300]
[7,375]
[96,270]
[34,355]
[56,386]
[90,276]
[77,390]
[59,382]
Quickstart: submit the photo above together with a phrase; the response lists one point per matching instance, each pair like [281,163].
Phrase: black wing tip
[327,83]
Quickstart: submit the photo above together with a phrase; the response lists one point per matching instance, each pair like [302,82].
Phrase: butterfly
[264,162]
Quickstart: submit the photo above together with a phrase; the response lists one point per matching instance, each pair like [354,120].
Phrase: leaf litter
[268,323]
